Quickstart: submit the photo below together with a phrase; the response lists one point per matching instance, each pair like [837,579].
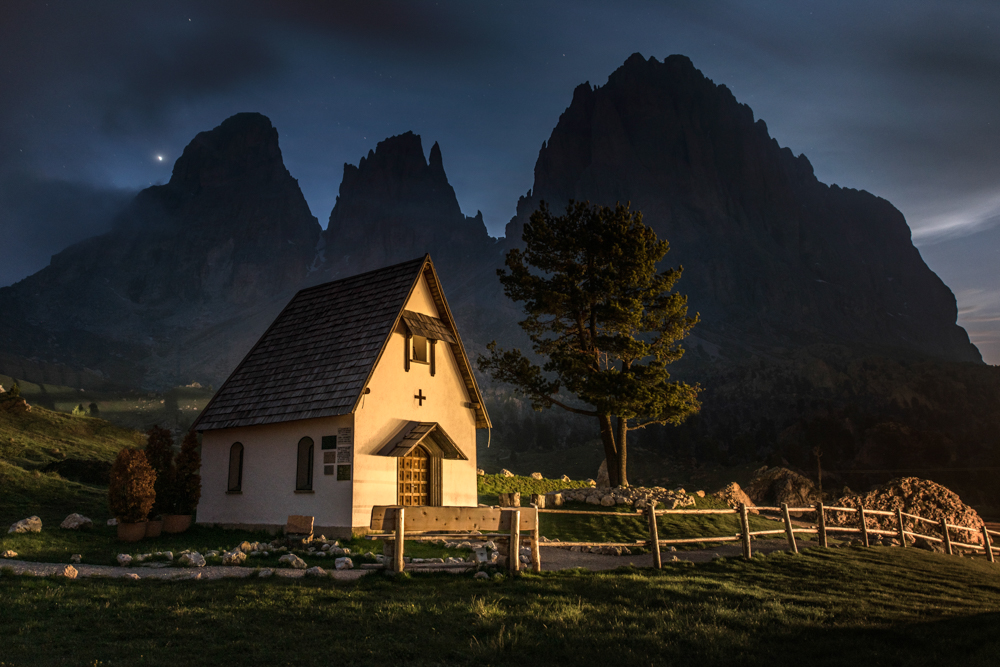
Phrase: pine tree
[603,319]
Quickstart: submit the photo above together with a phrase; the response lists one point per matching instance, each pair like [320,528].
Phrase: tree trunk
[610,451]
[622,430]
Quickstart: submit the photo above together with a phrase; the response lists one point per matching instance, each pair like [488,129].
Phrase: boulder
[293,561]
[913,495]
[30,525]
[124,560]
[564,478]
[112,522]
[9,554]
[76,558]
[774,486]
[536,475]
[69,572]
[315,571]
[480,472]
[76,522]
[608,501]
[506,473]
[733,495]
[344,564]
[265,573]
[192,560]
[234,557]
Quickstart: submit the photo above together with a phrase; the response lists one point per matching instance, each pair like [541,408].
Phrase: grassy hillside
[31,440]
[174,408]
[823,607]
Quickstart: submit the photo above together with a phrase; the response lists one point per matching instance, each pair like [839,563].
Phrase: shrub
[131,491]
[160,454]
[186,489]
[94,410]
[80,411]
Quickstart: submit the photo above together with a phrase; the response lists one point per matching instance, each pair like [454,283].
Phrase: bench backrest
[418,519]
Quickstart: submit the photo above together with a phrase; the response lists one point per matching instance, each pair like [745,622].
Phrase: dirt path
[174,573]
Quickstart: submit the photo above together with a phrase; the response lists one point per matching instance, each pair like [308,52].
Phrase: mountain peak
[242,149]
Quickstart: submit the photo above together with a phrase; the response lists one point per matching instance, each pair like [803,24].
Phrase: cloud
[40,217]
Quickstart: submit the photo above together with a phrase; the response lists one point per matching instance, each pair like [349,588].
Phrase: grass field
[874,607]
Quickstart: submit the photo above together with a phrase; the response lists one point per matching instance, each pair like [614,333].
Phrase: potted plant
[185,491]
[131,494]
[160,454]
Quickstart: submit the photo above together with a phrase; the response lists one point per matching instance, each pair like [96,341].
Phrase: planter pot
[176,523]
[131,532]
[153,528]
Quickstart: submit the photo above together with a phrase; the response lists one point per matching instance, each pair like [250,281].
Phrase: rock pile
[774,486]
[913,495]
[638,497]
[733,495]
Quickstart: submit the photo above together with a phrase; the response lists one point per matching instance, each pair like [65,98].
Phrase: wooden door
[415,478]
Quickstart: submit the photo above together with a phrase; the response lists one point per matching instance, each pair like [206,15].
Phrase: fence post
[654,535]
[788,529]
[536,551]
[946,536]
[821,523]
[745,530]
[902,530]
[514,549]
[864,526]
[397,556]
[988,544]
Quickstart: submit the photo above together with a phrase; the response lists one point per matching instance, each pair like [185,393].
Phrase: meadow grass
[877,606]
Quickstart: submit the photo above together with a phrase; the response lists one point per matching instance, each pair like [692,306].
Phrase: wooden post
[654,536]
[745,530]
[821,523]
[989,545]
[788,529]
[902,530]
[946,536]
[514,549]
[864,526]
[536,551]
[397,556]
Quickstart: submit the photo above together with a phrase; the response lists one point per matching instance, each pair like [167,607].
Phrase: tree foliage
[186,490]
[604,319]
[131,492]
[160,454]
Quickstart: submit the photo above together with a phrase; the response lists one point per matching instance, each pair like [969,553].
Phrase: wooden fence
[507,524]
[822,530]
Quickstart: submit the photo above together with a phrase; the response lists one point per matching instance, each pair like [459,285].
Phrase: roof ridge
[362,275]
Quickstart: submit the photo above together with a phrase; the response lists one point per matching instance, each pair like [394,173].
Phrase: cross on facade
[420,397]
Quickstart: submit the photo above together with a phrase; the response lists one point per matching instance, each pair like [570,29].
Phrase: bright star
[160,158]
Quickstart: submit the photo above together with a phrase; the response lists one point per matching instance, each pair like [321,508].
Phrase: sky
[97,100]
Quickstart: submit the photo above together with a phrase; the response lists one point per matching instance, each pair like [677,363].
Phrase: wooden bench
[428,523]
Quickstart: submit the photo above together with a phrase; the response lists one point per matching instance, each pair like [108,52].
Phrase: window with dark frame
[304,466]
[418,350]
[235,468]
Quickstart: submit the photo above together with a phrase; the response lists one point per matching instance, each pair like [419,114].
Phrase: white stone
[480,472]
[76,558]
[124,560]
[131,575]
[112,522]
[506,473]
[76,522]
[69,572]
[481,575]
[344,564]
[293,561]
[234,557]
[192,560]
[265,573]
[536,475]
[30,525]
[607,501]
[564,478]
[9,554]
[315,571]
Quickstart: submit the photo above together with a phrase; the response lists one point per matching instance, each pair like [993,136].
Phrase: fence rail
[514,517]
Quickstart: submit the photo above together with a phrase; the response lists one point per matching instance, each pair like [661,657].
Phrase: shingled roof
[317,356]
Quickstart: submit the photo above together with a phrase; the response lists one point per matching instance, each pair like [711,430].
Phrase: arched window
[304,467]
[236,468]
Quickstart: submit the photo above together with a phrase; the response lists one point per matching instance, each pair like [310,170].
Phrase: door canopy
[428,434]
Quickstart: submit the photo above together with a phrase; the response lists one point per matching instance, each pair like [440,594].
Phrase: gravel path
[176,573]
